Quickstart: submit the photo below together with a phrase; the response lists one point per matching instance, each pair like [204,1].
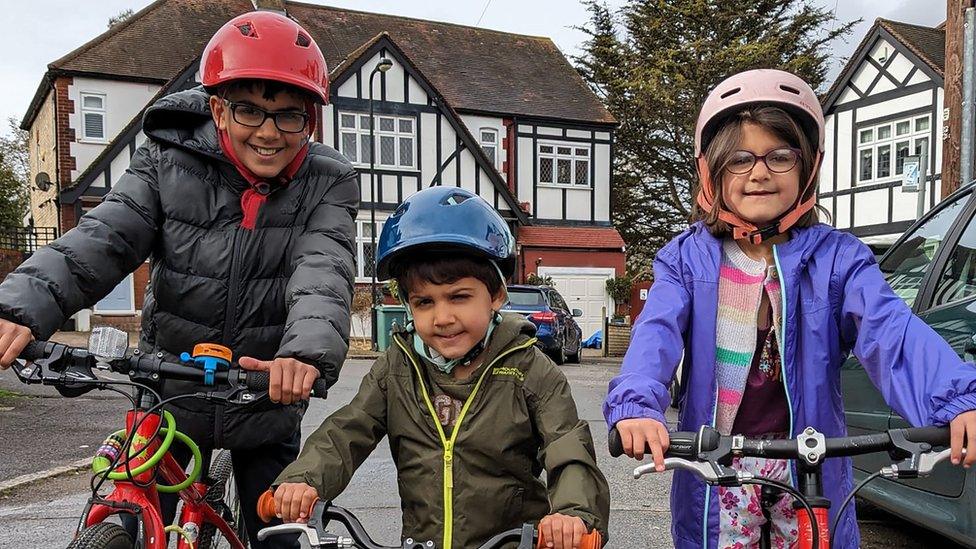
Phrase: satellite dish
[43,181]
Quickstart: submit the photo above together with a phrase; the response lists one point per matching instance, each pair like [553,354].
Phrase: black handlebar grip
[34,350]
[259,381]
[936,436]
[683,444]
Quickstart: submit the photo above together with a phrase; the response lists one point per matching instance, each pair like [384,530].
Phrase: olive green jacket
[460,486]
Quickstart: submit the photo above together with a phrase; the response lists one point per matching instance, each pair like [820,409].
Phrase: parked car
[933,268]
[559,334]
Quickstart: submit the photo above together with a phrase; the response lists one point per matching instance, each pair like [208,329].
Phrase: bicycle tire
[104,535]
[223,497]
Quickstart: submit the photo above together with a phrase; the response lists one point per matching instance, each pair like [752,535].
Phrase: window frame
[574,157]
[875,144]
[361,131]
[362,242]
[495,161]
[102,112]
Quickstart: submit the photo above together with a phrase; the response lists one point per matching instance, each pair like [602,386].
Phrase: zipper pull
[449,465]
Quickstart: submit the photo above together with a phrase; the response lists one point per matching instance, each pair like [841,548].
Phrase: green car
[933,267]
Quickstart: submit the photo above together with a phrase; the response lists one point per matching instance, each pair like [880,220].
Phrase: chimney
[952,111]
[273,5]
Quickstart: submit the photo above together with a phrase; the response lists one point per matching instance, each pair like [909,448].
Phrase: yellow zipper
[448,443]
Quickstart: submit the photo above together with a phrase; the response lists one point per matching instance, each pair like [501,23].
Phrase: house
[886,105]
[501,114]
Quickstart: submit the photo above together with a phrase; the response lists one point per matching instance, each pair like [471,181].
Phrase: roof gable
[918,44]
[384,43]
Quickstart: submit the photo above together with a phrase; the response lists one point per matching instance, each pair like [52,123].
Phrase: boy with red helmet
[250,230]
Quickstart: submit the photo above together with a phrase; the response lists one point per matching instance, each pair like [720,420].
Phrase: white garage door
[583,288]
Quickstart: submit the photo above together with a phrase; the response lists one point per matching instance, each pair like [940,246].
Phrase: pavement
[53,438]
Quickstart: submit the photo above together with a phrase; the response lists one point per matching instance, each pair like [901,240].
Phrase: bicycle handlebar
[321,513]
[142,365]
[689,445]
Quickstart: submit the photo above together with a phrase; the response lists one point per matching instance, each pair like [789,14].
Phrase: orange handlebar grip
[591,540]
[266,507]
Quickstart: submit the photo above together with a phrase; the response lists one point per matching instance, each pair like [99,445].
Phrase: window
[875,146]
[395,136]
[564,164]
[906,265]
[958,281]
[93,116]
[365,255]
[489,144]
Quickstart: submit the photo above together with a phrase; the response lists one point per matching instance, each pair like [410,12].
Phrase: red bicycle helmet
[265,45]
[758,87]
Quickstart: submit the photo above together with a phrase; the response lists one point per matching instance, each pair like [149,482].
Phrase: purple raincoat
[835,300]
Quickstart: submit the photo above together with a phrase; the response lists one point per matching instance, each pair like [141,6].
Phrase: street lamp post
[382,65]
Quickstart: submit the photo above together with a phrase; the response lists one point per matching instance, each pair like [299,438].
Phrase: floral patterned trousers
[740,516]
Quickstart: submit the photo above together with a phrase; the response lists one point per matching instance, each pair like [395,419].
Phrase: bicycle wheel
[105,535]
[223,497]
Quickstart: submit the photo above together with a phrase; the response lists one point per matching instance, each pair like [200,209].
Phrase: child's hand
[963,435]
[13,339]
[562,531]
[636,433]
[293,501]
[291,379]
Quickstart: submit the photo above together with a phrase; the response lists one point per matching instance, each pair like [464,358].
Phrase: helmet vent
[789,89]
[247,29]
[303,40]
[731,92]
[454,199]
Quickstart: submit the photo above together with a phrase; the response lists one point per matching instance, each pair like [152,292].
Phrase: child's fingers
[657,453]
[557,539]
[287,382]
[308,498]
[250,363]
[579,529]
[663,435]
[545,531]
[956,435]
[294,505]
[279,499]
[639,443]
[274,384]
[310,376]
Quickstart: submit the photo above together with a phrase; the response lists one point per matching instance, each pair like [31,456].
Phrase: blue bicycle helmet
[445,219]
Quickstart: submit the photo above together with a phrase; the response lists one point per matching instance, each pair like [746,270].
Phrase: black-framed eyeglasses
[779,160]
[248,115]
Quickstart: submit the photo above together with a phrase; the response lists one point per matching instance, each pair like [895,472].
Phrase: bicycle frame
[142,500]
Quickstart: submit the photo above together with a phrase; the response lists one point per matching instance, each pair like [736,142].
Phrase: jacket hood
[183,120]
[514,328]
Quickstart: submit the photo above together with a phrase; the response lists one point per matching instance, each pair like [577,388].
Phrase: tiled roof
[540,236]
[475,69]
[926,42]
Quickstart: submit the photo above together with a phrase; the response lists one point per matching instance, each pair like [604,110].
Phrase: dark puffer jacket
[282,289]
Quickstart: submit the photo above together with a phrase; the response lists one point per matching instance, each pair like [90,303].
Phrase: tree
[119,17]
[14,175]
[653,62]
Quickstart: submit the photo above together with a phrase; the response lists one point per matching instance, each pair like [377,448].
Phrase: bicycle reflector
[209,356]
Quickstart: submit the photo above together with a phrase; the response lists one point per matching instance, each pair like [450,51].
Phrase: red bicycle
[137,458]
[708,454]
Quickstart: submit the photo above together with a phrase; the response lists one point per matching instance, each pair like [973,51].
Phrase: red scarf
[257,193]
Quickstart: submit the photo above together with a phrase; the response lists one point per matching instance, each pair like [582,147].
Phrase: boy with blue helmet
[471,405]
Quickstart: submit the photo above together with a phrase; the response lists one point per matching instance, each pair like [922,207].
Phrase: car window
[557,300]
[958,280]
[525,298]
[905,267]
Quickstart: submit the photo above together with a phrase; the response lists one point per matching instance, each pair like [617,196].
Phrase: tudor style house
[885,105]
[501,114]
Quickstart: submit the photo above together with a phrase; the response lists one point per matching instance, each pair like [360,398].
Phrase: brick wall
[66,135]
[9,260]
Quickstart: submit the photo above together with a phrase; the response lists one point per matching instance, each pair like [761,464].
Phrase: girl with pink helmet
[763,303]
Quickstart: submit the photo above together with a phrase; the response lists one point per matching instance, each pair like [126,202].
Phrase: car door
[562,315]
[950,309]
[905,267]
[573,331]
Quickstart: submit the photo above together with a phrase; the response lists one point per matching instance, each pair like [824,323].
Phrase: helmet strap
[744,230]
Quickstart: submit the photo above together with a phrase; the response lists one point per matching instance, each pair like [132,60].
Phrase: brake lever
[918,465]
[711,472]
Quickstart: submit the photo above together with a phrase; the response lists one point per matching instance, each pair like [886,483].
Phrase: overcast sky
[45,30]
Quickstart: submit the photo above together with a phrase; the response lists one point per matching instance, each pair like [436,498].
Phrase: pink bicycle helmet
[758,87]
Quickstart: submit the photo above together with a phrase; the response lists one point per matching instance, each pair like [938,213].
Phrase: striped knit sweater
[740,287]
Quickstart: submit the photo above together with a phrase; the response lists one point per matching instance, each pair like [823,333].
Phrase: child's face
[265,150]
[761,195]
[453,318]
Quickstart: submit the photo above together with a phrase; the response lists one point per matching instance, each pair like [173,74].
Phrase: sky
[50,29]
